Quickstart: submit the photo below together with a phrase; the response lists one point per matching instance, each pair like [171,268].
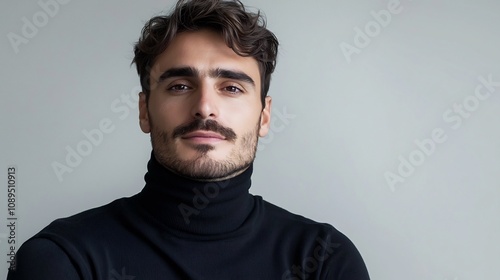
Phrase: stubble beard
[203,167]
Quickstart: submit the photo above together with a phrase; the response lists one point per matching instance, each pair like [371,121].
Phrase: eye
[179,87]
[233,89]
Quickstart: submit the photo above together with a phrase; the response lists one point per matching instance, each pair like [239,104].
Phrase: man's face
[204,111]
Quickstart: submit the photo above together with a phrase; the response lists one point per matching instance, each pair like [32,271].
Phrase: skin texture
[204,121]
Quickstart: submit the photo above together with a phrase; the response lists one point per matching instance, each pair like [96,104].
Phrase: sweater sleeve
[42,259]
[346,263]
[353,269]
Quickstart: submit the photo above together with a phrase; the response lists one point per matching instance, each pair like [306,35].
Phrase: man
[205,72]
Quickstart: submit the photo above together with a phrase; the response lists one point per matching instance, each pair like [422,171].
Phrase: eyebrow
[178,72]
[215,73]
[233,75]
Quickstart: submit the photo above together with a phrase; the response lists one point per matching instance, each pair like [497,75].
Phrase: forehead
[203,50]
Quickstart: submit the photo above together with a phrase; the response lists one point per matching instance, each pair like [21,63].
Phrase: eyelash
[173,88]
[233,89]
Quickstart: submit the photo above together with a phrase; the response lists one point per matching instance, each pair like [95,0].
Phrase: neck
[205,180]
[194,206]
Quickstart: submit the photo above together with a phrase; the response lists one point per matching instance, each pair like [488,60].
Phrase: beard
[203,167]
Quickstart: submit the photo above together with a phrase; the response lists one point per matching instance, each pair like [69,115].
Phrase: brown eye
[233,89]
[179,87]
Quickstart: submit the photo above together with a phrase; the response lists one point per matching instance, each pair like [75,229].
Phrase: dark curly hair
[243,31]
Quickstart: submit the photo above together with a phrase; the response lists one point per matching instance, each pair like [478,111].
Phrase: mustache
[208,125]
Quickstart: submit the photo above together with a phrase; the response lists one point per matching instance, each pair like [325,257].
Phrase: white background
[352,120]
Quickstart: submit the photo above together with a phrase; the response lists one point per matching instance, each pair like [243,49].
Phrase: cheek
[164,117]
[245,122]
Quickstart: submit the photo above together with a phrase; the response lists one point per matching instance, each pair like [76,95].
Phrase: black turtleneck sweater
[177,228]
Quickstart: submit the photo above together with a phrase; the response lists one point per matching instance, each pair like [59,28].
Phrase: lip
[203,135]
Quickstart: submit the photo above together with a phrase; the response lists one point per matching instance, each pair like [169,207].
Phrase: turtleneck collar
[196,207]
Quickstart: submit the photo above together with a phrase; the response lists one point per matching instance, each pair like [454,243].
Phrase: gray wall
[386,128]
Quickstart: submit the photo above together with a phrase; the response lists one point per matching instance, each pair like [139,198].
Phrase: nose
[205,103]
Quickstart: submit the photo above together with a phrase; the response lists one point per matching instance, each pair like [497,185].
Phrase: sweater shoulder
[86,223]
[321,241]
[71,242]
[305,232]
[290,219]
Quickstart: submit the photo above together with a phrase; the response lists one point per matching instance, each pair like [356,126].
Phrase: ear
[143,113]
[265,117]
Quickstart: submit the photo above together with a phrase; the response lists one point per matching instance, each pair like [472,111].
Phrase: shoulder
[317,243]
[40,258]
[90,227]
[295,222]
[61,249]
[88,221]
